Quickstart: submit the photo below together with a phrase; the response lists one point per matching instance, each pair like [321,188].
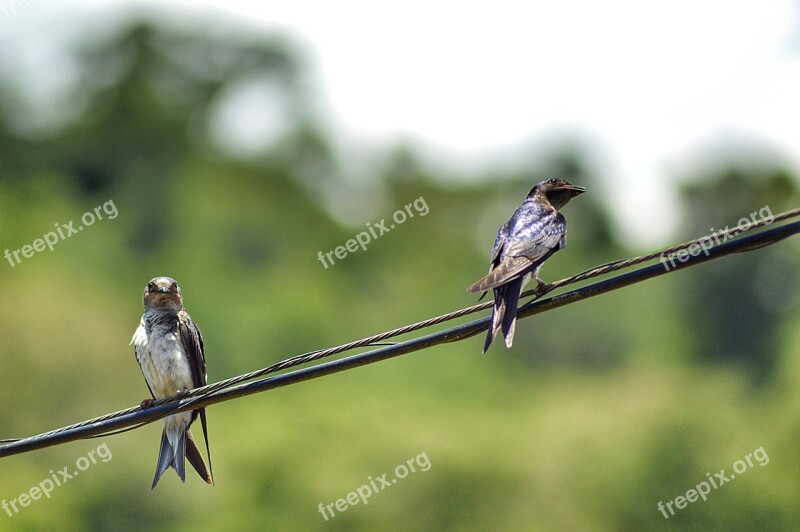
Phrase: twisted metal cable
[232,388]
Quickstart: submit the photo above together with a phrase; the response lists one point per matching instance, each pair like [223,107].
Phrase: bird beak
[164,290]
[576,189]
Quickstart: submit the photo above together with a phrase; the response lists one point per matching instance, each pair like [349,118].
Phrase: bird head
[557,191]
[162,293]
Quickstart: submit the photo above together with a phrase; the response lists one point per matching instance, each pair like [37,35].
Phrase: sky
[656,88]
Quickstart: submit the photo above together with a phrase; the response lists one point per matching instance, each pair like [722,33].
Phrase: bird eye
[173,286]
[554,181]
[151,285]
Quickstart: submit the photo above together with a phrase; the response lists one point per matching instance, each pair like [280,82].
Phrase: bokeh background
[237,140]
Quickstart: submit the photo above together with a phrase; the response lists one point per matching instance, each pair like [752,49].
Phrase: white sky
[653,85]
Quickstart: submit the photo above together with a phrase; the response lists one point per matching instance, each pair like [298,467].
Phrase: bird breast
[163,359]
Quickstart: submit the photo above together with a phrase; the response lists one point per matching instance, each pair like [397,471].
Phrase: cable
[234,387]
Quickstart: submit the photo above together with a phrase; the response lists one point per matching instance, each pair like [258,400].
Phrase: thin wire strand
[233,387]
[597,271]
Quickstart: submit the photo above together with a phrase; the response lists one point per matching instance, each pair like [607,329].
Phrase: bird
[169,349]
[534,232]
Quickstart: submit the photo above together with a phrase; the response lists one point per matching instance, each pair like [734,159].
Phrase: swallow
[169,349]
[535,231]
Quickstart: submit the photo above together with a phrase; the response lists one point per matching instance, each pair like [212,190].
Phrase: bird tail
[513,290]
[169,456]
[498,312]
[504,313]
[175,457]
[497,316]
[196,459]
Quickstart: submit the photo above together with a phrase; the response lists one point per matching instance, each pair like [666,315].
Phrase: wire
[727,242]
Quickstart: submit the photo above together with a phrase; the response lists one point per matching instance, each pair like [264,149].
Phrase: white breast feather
[164,362]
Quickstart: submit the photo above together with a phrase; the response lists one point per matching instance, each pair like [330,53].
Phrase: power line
[735,242]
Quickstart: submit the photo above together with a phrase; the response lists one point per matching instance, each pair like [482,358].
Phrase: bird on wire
[534,232]
[169,349]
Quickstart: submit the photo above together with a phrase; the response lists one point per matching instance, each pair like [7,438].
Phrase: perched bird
[169,349]
[535,231]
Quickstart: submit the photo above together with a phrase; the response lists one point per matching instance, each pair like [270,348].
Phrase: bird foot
[541,287]
[147,403]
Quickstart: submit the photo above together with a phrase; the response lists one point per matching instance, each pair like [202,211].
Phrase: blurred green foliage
[601,410]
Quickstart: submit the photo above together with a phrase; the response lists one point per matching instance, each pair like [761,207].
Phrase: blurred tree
[723,309]
[149,92]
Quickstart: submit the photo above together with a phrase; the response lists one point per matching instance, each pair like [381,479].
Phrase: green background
[601,409]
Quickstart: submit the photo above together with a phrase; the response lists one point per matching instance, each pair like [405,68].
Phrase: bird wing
[522,253]
[193,343]
[497,253]
[499,243]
